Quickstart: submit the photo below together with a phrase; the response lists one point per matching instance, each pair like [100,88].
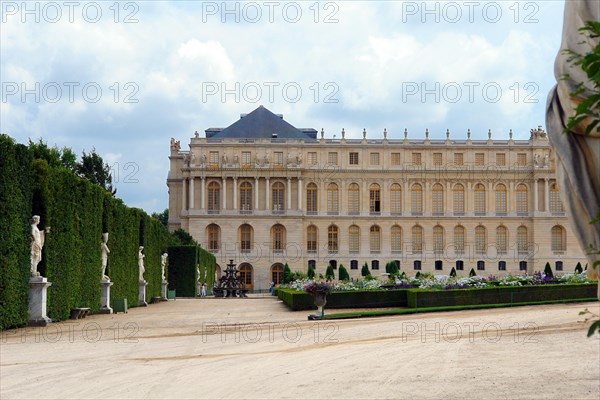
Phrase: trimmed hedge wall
[298,300]
[496,295]
[77,212]
[182,269]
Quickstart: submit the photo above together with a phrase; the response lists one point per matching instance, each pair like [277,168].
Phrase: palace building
[264,193]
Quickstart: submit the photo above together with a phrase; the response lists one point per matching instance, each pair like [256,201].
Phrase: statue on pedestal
[141,264]
[163,264]
[37,244]
[105,252]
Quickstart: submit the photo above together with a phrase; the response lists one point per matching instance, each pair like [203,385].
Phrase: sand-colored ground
[256,348]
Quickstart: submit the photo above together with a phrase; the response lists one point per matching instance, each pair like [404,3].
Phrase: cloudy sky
[124,77]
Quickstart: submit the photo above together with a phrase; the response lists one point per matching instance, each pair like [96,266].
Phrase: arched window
[417,239]
[246,237]
[438,239]
[375,239]
[246,275]
[458,199]
[395,199]
[278,198]
[311,198]
[437,199]
[374,199]
[480,239]
[354,239]
[246,196]
[396,239]
[353,199]
[479,199]
[556,205]
[278,236]
[311,239]
[277,274]
[332,239]
[522,208]
[214,197]
[416,199]
[501,239]
[333,204]
[522,240]
[558,239]
[459,239]
[213,233]
[501,199]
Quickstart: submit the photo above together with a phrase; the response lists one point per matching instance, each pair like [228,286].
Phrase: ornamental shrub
[472,273]
[365,270]
[311,272]
[453,272]
[343,274]
[548,270]
[578,268]
[329,274]
[287,274]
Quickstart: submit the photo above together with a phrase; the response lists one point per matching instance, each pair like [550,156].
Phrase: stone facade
[491,205]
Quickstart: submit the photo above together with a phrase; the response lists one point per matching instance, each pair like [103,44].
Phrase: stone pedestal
[198,289]
[142,294]
[164,290]
[38,287]
[105,299]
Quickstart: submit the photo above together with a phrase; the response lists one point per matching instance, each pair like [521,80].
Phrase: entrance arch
[246,275]
[277,273]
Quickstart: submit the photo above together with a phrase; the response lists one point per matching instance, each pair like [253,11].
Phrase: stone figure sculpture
[141,264]
[577,155]
[163,264]
[105,252]
[38,239]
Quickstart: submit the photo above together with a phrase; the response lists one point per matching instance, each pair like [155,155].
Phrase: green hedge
[182,269]
[298,300]
[418,298]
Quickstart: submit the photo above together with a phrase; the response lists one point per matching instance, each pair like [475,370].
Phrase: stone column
[105,307]
[365,201]
[202,186]
[406,204]
[511,201]
[183,194]
[224,193]
[191,207]
[256,193]
[546,195]
[289,193]
[427,199]
[535,195]
[448,200]
[38,295]
[300,192]
[235,194]
[468,195]
[490,199]
[267,188]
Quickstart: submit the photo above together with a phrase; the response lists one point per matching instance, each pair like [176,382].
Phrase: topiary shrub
[329,274]
[548,270]
[365,270]
[287,274]
[453,272]
[311,272]
[343,274]
[472,273]
[578,268]
[418,275]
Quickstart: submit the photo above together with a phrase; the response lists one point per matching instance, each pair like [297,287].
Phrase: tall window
[522,199]
[246,196]
[416,158]
[375,239]
[480,239]
[437,159]
[521,159]
[437,199]
[479,159]
[277,274]
[396,239]
[353,199]
[500,159]
[332,239]
[213,158]
[311,198]
[396,199]
[500,199]
[375,264]
[416,199]
[278,235]
[395,158]
[438,239]
[311,239]
[333,205]
[246,233]
[374,159]
[353,158]
[278,159]
[458,199]
[417,239]
[556,205]
[354,264]
[246,159]
[214,237]
[459,239]
[214,197]
[522,265]
[558,239]
[311,158]
[332,158]
[522,240]
[458,158]
[374,198]
[501,239]
[481,265]
[354,239]
[479,199]
[501,265]
[417,265]
[278,196]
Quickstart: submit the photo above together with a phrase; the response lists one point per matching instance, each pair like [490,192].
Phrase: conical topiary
[365,270]
[329,274]
[578,268]
[287,274]
[548,270]
[472,273]
[311,272]
[453,272]
[343,274]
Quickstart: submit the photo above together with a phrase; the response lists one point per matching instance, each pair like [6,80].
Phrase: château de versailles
[264,193]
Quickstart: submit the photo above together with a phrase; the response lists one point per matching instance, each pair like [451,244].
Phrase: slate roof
[261,124]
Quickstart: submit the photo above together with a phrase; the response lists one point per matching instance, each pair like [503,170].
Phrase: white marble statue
[105,252]
[536,160]
[163,264]
[203,159]
[141,264]
[37,244]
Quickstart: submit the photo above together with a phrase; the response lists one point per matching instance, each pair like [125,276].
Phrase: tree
[65,157]
[329,274]
[163,217]
[548,270]
[453,272]
[185,238]
[311,272]
[365,270]
[93,168]
[472,273]
[578,268]
[343,273]
[287,274]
